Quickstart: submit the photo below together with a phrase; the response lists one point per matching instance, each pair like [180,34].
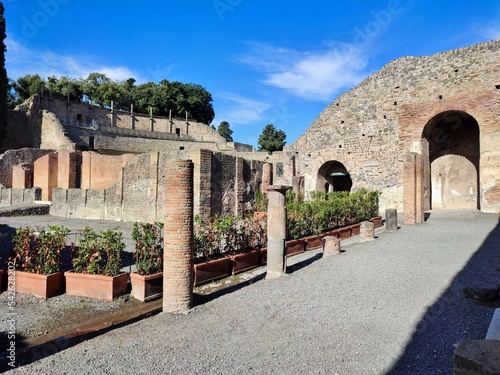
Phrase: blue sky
[279,62]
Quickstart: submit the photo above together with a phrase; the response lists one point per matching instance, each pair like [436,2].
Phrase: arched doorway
[453,180]
[333,176]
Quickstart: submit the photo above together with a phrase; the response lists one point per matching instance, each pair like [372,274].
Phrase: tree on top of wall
[271,139]
[4,82]
[163,98]
[225,131]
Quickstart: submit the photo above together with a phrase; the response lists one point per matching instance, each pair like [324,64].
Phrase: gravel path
[392,306]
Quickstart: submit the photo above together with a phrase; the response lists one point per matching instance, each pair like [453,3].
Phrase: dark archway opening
[333,176]
[453,177]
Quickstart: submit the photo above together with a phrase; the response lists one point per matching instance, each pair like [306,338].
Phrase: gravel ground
[392,306]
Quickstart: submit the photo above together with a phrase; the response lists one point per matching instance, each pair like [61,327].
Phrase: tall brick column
[276,230]
[178,237]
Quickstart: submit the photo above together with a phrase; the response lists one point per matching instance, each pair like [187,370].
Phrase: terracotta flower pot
[355,228]
[344,232]
[213,270]
[293,247]
[314,242]
[100,287]
[245,261]
[42,286]
[148,287]
[377,221]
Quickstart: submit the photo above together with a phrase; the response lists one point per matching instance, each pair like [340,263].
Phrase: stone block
[77,199]
[332,246]
[6,196]
[59,205]
[367,231]
[17,196]
[475,357]
[95,204]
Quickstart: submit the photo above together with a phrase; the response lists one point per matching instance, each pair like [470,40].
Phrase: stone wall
[370,128]
[222,184]
[17,157]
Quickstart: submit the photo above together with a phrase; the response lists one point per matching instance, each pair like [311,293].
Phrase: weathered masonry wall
[59,125]
[222,184]
[371,128]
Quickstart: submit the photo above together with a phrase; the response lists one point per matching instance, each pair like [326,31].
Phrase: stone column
[367,231]
[391,220]
[276,231]
[332,246]
[267,176]
[178,237]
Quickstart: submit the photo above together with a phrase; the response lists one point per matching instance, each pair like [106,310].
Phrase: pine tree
[225,131]
[271,139]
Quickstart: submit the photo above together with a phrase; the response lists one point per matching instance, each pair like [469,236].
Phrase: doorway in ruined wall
[333,176]
[453,180]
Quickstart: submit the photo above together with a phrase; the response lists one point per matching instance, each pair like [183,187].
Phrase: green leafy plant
[261,201]
[39,251]
[99,253]
[148,250]
[225,235]
[326,211]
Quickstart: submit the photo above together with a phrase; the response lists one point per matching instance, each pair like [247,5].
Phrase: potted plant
[211,261]
[97,265]
[37,259]
[247,244]
[147,280]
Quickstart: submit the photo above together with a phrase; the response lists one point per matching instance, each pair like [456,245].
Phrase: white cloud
[489,32]
[21,60]
[314,75]
[237,109]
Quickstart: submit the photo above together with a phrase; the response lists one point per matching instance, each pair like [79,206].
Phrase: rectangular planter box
[42,286]
[100,287]
[293,247]
[344,232]
[334,233]
[146,288]
[245,261]
[314,242]
[210,271]
[377,221]
[355,228]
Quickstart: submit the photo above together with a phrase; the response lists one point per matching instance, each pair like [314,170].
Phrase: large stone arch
[453,158]
[333,176]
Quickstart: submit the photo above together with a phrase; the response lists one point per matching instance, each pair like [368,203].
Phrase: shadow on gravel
[452,317]
[298,266]
[200,299]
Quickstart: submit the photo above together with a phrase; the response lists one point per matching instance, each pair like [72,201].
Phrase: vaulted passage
[333,176]
[453,180]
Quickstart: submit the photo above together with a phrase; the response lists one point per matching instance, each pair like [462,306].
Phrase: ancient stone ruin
[423,130]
